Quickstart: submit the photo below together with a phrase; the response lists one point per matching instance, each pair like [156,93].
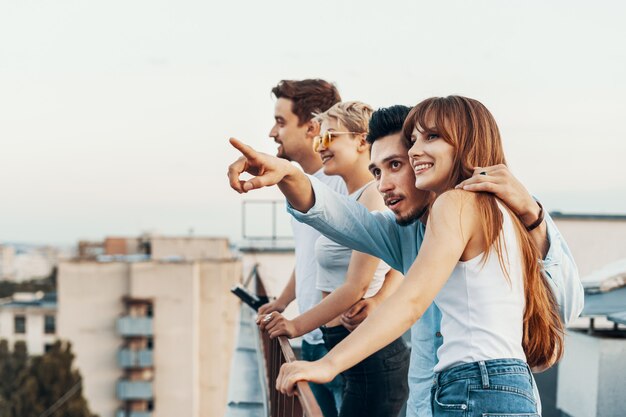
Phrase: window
[20,324]
[49,325]
[47,347]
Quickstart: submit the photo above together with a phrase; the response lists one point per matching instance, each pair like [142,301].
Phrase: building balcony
[129,358]
[124,413]
[134,326]
[134,390]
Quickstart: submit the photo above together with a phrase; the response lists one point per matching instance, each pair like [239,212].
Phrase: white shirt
[307,294]
[333,261]
[482,308]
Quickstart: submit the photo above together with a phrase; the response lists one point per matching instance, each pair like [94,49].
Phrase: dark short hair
[309,97]
[387,121]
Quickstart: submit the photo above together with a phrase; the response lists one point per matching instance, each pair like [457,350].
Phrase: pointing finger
[246,150]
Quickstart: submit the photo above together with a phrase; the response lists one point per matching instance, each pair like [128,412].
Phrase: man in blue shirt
[395,236]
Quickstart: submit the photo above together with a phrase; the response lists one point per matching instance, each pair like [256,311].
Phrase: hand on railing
[277,352]
[290,374]
[272,306]
[275,324]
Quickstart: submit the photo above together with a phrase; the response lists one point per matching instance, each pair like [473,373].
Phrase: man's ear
[312,128]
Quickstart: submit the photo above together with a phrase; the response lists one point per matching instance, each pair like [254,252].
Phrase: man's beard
[280,152]
[411,217]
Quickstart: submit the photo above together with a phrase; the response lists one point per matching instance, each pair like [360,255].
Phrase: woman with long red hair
[480,266]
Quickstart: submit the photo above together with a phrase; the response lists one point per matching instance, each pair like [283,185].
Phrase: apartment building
[152,324]
[29,318]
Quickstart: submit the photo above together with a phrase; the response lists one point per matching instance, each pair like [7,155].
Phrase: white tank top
[333,260]
[482,311]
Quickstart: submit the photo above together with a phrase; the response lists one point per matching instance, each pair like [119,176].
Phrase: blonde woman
[377,385]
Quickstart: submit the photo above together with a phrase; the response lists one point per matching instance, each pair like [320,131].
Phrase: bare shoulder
[456,204]
[372,199]
[455,199]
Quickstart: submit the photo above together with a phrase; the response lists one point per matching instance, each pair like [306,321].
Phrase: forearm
[349,223]
[559,266]
[329,308]
[539,234]
[562,275]
[392,281]
[289,292]
[297,188]
[388,322]
[448,231]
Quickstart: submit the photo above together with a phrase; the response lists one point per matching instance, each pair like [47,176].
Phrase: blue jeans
[378,385]
[328,396]
[493,388]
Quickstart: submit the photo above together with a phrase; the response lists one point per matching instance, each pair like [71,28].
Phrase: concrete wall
[592,376]
[189,248]
[194,324]
[219,311]
[35,337]
[173,288]
[594,243]
[89,303]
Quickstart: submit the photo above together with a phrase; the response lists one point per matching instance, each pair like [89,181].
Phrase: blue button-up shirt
[376,233]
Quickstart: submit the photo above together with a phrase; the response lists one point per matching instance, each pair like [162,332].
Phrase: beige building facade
[153,338]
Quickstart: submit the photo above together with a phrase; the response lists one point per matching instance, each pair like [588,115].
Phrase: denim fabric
[493,388]
[376,233]
[328,395]
[378,385]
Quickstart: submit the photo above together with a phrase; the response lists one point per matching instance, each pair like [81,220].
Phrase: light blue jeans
[329,395]
[493,388]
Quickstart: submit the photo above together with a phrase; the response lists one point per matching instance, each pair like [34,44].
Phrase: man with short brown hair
[294,129]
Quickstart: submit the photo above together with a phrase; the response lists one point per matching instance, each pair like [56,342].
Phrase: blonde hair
[353,115]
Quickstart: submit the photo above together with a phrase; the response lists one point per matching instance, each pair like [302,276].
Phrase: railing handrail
[281,347]
[309,405]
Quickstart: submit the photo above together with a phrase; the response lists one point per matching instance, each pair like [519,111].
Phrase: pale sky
[114,116]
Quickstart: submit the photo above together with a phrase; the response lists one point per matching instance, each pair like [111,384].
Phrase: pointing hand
[267,170]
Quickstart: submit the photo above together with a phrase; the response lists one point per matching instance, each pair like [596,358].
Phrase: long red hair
[467,125]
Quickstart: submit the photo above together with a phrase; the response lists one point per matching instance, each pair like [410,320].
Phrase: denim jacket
[376,233]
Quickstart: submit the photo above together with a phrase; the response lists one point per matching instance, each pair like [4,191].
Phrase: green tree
[59,386]
[14,371]
[48,284]
[44,385]
[5,390]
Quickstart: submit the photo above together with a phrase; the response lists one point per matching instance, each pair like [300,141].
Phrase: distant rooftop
[583,216]
[155,248]
[36,300]
[605,292]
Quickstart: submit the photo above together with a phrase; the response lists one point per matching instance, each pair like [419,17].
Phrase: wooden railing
[277,352]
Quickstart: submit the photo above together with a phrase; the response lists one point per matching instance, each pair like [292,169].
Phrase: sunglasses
[327,138]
